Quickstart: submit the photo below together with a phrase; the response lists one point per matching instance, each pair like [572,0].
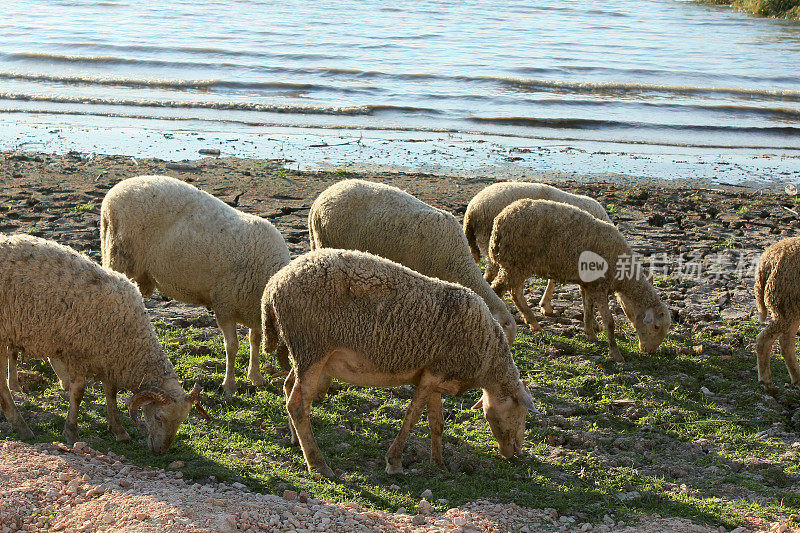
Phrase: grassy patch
[614,439]
[784,9]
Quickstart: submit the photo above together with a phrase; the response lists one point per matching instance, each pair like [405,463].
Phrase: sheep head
[651,323]
[506,417]
[163,415]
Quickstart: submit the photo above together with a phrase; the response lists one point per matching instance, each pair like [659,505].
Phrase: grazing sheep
[57,303]
[549,239]
[371,322]
[778,292]
[389,222]
[487,204]
[168,234]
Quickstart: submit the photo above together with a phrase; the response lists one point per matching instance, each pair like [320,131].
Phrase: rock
[426,494]
[418,520]
[402,510]
[176,464]
[397,487]
[289,495]
[425,506]
[78,446]
[183,167]
[208,151]
[303,496]
[705,391]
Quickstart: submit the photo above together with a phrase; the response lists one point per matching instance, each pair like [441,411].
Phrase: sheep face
[162,423]
[651,324]
[506,417]
[509,326]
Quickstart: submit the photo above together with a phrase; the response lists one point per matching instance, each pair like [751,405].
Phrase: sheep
[551,239]
[487,204]
[57,303]
[778,293]
[167,234]
[369,321]
[389,222]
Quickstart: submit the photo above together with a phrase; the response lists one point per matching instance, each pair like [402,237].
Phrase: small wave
[179,84]
[581,123]
[405,129]
[637,88]
[238,106]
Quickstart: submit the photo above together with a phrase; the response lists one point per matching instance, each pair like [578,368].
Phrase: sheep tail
[469,231]
[762,275]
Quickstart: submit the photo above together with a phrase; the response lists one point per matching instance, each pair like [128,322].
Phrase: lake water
[624,86]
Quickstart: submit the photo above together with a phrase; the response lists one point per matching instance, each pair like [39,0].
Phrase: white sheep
[567,244]
[372,322]
[487,204]
[170,235]
[777,293]
[57,303]
[386,221]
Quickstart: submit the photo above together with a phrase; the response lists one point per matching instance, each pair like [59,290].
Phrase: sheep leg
[254,370]
[589,322]
[299,406]
[13,377]
[764,343]
[544,304]
[518,297]
[228,328]
[436,423]
[282,354]
[788,351]
[114,423]
[608,322]
[76,390]
[287,390]
[7,402]
[394,460]
[491,271]
[61,371]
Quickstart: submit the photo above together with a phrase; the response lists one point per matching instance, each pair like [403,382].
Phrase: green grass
[83,208]
[667,449]
[785,9]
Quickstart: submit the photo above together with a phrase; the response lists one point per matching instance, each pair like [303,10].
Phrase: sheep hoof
[122,436]
[393,469]
[257,379]
[547,311]
[769,388]
[24,432]
[70,436]
[535,327]
[228,389]
[616,355]
[324,470]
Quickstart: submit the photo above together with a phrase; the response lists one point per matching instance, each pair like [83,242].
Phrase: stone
[176,464]
[289,495]
[418,520]
[427,494]
[425,506]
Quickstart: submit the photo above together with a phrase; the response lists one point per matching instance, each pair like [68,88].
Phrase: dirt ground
[705,237]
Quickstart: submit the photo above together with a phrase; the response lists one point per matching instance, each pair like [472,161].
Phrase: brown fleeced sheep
[777,291]
[487,204]
[371,322]
[386,221]
[549,240]
[170,235]
[57,303]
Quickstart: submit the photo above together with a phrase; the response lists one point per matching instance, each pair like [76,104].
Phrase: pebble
[705,391]
[425,506]
[427,494]
[418,520]
[176,464]
[289,495]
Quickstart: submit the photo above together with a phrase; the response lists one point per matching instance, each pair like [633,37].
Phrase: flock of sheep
[391,293]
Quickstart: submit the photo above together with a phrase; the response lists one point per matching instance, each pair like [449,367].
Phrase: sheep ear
[649,317]
[478,404]
[524,398]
